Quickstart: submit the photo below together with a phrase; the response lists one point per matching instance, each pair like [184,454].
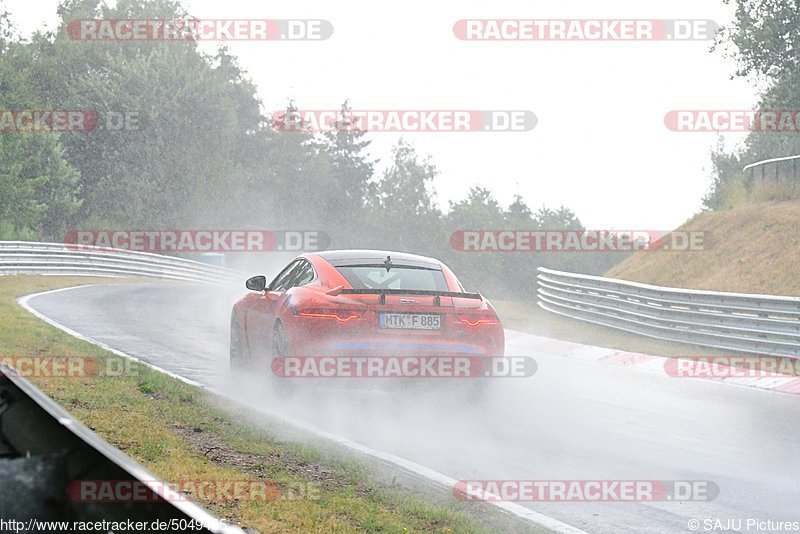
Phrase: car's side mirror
[256,283]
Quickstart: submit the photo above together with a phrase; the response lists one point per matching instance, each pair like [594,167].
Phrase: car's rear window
[377,277]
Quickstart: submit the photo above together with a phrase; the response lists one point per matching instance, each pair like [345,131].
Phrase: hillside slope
[752,248]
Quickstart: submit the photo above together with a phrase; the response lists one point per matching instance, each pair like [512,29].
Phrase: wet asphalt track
[572,420]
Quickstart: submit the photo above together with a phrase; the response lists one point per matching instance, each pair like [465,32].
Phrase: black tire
[280,348]
[237,358]
[280,340]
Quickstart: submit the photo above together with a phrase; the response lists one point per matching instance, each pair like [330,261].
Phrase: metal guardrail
[44,451]
[25,257]
[777,168]
[758,324]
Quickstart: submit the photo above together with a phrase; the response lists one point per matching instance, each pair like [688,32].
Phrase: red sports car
[362,302]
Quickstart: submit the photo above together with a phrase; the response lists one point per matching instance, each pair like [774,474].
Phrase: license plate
[410,321]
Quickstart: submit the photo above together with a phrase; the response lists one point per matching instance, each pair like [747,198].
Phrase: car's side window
[301,276]
[280,281]
[305,275]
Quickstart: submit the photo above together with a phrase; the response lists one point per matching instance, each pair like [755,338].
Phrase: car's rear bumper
[311,340]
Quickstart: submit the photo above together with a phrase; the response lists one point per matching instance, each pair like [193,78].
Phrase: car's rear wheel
[237,358]
[280,341]
[280,348]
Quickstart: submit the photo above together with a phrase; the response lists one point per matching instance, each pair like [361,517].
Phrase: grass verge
[750,248]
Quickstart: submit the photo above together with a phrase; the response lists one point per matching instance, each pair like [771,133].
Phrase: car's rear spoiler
[418,292]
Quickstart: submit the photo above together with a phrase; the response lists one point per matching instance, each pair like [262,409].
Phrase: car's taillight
[477,320]
[340,316]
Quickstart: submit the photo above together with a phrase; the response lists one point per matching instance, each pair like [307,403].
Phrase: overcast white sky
[600,147]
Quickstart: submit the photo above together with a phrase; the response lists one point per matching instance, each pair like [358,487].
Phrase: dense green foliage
[764,38]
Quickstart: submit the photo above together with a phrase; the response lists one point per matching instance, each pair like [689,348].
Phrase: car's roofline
[352,257]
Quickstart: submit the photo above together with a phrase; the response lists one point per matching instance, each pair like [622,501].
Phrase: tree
[194,114]
[407,186]
[764,38]
[37,187]
[518,213]
[351,170]
[561,219]
[479,210]
[726,177]
[301,174]
[6,28]
[404,207]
